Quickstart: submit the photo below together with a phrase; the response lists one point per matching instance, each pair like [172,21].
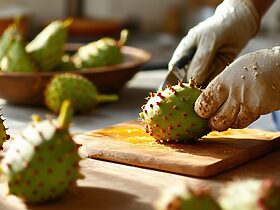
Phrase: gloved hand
[246,89]
[218,39]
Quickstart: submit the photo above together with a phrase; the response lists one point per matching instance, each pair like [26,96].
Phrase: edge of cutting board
[97,147]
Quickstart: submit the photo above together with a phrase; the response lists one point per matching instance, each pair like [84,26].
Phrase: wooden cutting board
[217,152]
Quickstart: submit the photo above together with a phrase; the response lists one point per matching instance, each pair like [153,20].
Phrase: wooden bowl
[28,88]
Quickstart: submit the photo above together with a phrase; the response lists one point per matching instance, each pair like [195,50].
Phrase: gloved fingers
[186,44]
[245,117]
[202,60]
[225,117]
[220,61]
[210,100]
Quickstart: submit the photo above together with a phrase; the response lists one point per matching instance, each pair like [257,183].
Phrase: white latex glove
[218,39]
[246,89]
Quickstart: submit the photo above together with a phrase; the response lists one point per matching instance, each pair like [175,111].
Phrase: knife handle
[186,59]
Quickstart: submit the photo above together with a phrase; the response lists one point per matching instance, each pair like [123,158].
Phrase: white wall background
[149,12]
[40,9]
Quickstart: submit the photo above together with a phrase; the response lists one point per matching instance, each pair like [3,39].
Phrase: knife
[178,72]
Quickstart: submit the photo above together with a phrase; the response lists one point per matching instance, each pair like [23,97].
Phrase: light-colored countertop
[120,187]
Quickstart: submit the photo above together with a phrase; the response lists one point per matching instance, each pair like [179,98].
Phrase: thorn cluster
[171,117]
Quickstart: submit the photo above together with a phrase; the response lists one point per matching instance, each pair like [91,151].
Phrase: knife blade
[179,70]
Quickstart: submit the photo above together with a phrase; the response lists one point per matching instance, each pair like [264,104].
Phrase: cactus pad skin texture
[47,48]
[186,199]
[43,162]
[76,88]
[251,195]
[103,52]
[169,115]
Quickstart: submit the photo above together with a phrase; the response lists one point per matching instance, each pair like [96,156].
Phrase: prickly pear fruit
[103,52]
[43,162]
[16,58]
[169,114]
[187,199]
[3,134]
[66,64]
[47,47]
[251,194]
[76,88]
[7,38]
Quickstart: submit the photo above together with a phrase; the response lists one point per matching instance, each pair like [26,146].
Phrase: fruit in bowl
[46,52]
[26,85]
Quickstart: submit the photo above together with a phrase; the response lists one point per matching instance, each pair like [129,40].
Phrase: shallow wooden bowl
[28,88]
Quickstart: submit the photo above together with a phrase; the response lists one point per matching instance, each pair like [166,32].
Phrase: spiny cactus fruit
[187,199]
[76,88]
[7,38]
[16,58]
[3,134]
[169,115]
[47,47]
[103,52]
[66,64]
[43,162]
[251,194]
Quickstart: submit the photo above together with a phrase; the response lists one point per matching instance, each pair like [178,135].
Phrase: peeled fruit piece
[251,194]
[47,48]
[16,58]
[77,89]
[103,52]
[187,199]
[43,162]
[169,115]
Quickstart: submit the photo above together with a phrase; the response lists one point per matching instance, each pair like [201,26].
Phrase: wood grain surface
[215,153]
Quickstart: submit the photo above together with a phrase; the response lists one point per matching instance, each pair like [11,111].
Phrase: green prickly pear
[47,48]
[76,88]
[66,64]
[169,114]
[187,199]
[7,38]
[103,52]
[251,194]
[16,58]
[43,162]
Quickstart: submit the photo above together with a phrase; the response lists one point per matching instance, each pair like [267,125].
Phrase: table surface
[115,186]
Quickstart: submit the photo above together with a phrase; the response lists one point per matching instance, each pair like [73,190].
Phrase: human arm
[220,38]
[262,6]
